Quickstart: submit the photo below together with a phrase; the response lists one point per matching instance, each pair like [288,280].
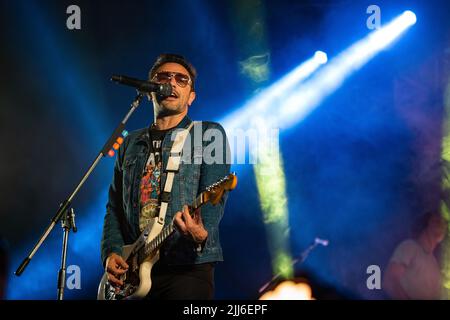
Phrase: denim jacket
[121,223]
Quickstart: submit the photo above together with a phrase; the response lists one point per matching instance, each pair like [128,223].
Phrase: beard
[165,112]
[168,108]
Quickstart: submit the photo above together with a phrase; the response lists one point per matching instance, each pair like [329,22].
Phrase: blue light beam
[259,104]
[327,80]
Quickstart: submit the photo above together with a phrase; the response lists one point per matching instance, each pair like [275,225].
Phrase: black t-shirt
[150,185]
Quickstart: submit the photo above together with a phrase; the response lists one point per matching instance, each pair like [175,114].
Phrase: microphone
[162,89]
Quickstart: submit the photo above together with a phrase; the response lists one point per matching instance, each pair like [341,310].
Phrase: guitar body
[137,281]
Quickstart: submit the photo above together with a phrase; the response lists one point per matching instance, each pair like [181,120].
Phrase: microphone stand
[65,212]
[301,258]
[67,223]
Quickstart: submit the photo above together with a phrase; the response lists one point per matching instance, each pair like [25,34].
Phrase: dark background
[358,169]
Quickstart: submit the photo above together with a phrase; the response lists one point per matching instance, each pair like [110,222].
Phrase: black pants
[192,282]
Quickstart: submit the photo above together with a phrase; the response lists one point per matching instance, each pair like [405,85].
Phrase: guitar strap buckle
[165,196]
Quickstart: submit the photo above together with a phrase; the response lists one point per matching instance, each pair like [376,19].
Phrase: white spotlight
[410,17]
[328,79]
[321,57]
[269,97]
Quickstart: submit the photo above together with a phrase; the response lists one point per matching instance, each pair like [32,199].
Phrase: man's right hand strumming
[115,267]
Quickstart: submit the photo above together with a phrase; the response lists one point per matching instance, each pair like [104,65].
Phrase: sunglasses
[165,77]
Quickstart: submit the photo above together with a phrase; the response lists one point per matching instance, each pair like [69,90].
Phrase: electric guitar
[142,255]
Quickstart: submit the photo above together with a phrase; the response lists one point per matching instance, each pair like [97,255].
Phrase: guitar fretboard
[156,243]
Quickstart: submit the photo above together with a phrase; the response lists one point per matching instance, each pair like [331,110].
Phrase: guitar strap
[173,164]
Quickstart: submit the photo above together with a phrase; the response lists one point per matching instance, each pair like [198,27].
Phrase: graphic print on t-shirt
[150,185]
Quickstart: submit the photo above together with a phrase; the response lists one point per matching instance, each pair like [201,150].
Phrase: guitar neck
[156,243]
[197,203]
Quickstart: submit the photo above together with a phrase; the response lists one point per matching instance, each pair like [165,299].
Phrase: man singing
[185,269]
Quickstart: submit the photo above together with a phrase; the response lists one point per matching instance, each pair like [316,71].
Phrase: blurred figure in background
[414,271]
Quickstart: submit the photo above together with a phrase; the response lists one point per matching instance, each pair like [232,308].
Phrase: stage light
[289,290]
[410,17]
[327,80]
[269,172]
[298,96]
[321,57]
[256,67]
[261,102]
[249,126]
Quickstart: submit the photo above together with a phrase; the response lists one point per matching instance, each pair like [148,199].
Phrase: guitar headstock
[214,192]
